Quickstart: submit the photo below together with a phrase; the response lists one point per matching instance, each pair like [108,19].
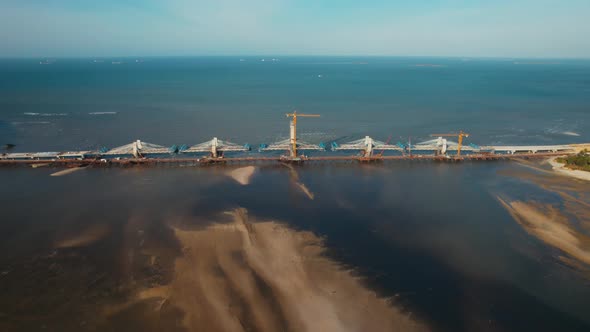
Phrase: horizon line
[267,55]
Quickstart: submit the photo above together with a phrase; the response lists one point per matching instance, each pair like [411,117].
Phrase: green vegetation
[579,161]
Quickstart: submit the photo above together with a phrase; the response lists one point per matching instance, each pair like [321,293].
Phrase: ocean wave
[428,65]
[44,114]
[504,135]
[562,131]
[102,113]
[332,63]
[570,133]
[16,123]
[313,134]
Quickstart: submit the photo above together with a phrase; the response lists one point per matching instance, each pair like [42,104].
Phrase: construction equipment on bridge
[403,147]
[386,143]
[293,129]
[286,145]
[142,152]
[460,136]
[292,144]
[366,145]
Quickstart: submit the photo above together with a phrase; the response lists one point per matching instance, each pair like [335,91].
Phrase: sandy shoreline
[561,169]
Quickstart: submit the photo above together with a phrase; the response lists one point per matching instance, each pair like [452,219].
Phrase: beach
[562,169]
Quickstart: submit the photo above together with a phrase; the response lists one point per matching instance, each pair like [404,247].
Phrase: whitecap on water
[44,114]
[16,123]
[102,113]
[570,133]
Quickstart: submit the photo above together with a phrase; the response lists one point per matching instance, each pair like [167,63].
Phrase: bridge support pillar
[442,145]
[137,146]
[292,140]
[214,146]
[369,143]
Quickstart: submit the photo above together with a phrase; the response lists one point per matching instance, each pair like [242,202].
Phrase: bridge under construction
[216,151]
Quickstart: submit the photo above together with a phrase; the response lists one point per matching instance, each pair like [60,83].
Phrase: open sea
[473,246]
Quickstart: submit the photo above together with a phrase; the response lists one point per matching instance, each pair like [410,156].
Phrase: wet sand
[297,183]
[566,226]
[243,175]
[67,171]
[305,190]
[263,276]
[39,165]
[551,226]
[574,194]
[86,237]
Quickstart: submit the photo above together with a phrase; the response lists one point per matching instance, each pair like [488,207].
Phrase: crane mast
[293,129]
[459,136]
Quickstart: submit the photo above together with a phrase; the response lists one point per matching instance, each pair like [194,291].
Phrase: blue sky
[495,28]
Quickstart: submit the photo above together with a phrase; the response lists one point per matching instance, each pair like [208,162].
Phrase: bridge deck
[253,160]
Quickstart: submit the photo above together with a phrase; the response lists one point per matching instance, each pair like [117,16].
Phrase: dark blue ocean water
[79,103]
[433,236]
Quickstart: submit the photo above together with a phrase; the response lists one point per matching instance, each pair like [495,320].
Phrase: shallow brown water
[383,246]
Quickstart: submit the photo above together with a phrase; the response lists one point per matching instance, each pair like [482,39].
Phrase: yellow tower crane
[460,136]
[294,115]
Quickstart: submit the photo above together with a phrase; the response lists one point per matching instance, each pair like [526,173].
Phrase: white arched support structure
[367,146]
[215,147]
[137,149]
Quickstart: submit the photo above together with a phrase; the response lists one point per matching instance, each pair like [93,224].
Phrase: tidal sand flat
[550,226]
[564,226]
[297,183]
[303,188]
[248,275]
[85,237]
[243,175]
[67,171]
